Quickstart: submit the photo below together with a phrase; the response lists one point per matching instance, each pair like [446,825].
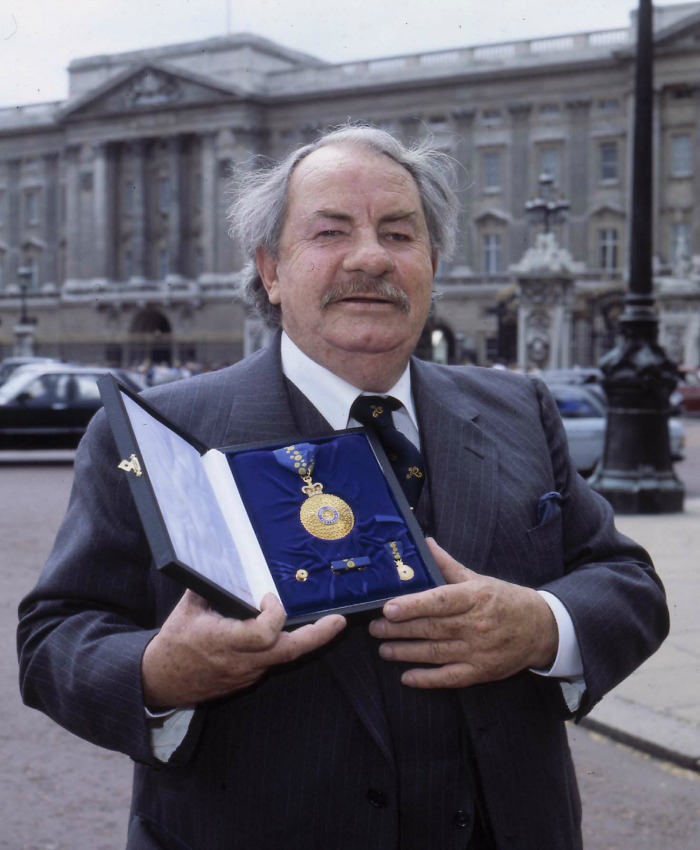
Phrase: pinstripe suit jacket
[288,763]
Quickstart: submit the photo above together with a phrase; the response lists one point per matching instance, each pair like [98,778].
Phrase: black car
[50,405]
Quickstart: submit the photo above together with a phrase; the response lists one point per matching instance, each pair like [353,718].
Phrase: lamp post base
[636,474]
[642,491]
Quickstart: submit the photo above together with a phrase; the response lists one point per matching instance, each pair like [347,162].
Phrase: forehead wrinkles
[317,181]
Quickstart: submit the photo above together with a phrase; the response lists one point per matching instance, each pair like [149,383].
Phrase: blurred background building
[113,232]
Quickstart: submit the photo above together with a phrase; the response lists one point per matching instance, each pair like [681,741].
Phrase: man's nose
[367,254]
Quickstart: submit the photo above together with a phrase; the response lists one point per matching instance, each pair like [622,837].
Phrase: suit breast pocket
[547,547]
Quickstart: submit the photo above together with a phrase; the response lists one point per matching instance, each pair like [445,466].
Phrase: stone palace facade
[113,232]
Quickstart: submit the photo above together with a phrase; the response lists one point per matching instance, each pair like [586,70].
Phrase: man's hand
[199,655]
[476,628]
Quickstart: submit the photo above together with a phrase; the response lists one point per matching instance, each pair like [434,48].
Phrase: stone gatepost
[545,278]
[24,339]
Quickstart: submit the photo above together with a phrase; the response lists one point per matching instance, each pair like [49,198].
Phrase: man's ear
[267,269]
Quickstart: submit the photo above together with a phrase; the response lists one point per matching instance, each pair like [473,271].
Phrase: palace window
[609,162]
[31,206]
[608,249]
[491,166]
[682,155]
[550,163]
[491,253]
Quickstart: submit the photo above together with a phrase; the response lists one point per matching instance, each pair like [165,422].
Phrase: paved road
[59,793]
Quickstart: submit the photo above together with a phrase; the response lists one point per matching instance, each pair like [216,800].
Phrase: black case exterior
[156,527]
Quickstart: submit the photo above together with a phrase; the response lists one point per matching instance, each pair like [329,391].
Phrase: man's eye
[398,237]
[330,232]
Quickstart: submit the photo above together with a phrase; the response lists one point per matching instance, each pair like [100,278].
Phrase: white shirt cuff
[168,730]
[568,663]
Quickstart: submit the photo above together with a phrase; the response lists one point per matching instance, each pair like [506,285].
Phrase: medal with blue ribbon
[323,515]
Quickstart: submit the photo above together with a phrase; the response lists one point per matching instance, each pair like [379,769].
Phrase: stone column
[103,212]
[14,259]
[208,212]
[174,240]
[578,190]
[51,217]
[464,153]
[695,222]
[138,216]
[521,183]
[73,213]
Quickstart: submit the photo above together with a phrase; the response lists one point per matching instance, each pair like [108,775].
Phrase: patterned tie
[374,412]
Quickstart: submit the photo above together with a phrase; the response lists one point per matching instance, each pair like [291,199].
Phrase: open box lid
[227,522]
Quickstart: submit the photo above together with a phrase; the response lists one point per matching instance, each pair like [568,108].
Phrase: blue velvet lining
[347,468]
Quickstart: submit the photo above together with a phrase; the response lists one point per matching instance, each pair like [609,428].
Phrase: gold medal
[323,515]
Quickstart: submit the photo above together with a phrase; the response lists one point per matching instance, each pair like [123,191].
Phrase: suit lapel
[462,466]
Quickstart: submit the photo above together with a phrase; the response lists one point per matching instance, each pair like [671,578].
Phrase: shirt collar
[330,395]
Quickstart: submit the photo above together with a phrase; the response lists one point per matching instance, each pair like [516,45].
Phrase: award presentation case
[321,522]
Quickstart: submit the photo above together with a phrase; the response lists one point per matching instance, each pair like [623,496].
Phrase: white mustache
[358,286]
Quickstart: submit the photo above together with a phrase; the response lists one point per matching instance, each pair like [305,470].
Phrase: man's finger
[292,645]
[445,601]
[448,676]
[424,652]
[452,570]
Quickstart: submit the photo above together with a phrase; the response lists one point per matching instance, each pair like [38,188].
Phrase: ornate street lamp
[545,208]
[636,475]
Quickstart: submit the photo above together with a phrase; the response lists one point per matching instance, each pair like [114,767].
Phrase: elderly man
[440,724]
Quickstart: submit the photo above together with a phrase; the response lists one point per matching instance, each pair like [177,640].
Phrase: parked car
[583,413]
[9,364]
[688,389]
[50,406]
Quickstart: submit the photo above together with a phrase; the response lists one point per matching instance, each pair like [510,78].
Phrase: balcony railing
[464,58]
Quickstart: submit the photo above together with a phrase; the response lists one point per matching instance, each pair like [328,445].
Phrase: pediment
[683,33]
[608,209]
[491,216]
[148,87]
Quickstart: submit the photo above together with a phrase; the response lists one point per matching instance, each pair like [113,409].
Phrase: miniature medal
[323,515]
[405,572]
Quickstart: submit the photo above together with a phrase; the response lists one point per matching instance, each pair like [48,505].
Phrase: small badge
[131,465]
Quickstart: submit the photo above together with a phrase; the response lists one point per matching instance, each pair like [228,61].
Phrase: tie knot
[374,411]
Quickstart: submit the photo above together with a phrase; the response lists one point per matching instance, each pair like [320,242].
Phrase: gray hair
[258,211]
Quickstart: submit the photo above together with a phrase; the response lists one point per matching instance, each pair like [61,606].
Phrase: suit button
[462,819]
[376,798]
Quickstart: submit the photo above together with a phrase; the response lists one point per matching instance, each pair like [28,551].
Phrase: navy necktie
[374,412]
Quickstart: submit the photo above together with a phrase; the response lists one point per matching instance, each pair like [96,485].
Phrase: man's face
[354,271]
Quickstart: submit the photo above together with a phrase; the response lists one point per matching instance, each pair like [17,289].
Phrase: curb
[645,730]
